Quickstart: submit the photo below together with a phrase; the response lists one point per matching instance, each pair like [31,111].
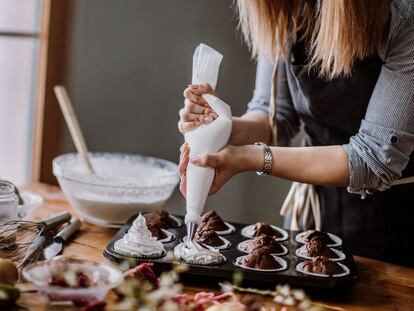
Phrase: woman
[345,69]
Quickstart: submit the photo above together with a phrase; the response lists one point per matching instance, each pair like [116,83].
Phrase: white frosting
[193,252]
[206,138]
[139,242]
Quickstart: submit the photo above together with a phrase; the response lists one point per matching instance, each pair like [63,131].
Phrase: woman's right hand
[196,110]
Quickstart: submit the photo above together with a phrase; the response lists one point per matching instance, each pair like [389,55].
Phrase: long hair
[338,31]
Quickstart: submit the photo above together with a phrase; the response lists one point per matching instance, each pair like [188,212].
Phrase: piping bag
[207,138]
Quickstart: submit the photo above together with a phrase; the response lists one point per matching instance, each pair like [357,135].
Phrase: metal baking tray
[225,271]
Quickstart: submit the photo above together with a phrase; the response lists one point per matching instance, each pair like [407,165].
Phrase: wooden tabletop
[382,286]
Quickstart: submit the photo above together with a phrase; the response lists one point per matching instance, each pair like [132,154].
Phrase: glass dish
[102,278]
[31,200]
[123,185]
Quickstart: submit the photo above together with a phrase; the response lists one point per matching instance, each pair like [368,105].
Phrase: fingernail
[208,119]
[195,160]
[194,86]
[213,115]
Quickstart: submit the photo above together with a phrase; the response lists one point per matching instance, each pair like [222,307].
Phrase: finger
[210,160]
[196,108]
[200,89]
[198,99]
[182,167]
[183,146]
[187,116]
[185,127]
[183,186]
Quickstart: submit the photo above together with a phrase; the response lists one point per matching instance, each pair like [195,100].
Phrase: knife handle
[64,234]
[56,220]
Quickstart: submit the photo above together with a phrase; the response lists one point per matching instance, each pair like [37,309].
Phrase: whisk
[20,238]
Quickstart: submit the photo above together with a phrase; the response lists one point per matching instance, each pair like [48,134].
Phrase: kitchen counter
[381,286]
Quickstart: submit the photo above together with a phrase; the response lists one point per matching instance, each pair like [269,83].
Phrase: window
[19,49]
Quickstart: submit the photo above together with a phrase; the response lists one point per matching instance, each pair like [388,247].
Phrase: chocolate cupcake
[156,230]
[321,266]
[163,219]
[260,242]
[262,228]
[314,248]
[207,236]
[213,221]
[261,259]
[328,239]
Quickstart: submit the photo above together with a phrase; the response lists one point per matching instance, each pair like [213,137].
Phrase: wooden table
[382,286]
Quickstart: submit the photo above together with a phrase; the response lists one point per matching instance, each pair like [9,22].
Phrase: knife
[56,246]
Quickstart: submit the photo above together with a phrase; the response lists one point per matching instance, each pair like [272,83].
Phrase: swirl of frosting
[193,252]
[139,242]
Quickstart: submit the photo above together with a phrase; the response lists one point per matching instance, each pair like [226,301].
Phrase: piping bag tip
[191,230]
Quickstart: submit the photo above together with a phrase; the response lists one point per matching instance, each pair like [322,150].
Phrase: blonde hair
[338,31]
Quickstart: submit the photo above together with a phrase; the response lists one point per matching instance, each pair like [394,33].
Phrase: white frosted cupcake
[194,253]
[139,242]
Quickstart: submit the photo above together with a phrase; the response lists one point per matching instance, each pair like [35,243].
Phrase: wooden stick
[73,125]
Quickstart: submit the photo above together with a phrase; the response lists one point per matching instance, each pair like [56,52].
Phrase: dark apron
[332,111]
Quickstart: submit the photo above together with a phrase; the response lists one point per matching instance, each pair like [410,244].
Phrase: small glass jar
[8,202]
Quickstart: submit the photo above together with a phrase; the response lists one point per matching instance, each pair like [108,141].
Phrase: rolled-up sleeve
[381,149]
[263,87]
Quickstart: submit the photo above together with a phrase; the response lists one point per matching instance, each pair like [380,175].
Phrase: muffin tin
[225,271]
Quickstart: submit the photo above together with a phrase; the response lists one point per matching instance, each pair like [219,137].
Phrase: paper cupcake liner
[249,232]
[141,256]
[170,236]
[239,260]
[242,248]
[231,229]
[341,255]
[338,242]
[299,268]
[179,221]
[226,243]
[224,260]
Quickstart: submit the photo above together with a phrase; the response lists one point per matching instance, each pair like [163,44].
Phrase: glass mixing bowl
[124,185]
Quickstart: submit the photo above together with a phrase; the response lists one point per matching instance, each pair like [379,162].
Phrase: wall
[129,62]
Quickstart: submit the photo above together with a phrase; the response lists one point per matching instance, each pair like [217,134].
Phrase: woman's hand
[182,167]
[196,110]
[228,162]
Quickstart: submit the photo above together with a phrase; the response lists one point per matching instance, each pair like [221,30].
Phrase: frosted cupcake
[194,253]
[139,242]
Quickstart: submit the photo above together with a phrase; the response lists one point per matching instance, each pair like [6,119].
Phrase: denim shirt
[370,113]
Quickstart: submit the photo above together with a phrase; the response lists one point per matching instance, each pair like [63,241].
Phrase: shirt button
[394,139]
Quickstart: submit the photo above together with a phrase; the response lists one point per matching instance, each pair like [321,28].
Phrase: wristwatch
[268,159]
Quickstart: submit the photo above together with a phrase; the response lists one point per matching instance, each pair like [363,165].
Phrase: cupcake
[321,266]
[262,228]
[261,259]
[194,253]
[156,230]
[328,239]
[213,221]
[139,242]
[315,248]
[262,241]
[163,219]
[207,236]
